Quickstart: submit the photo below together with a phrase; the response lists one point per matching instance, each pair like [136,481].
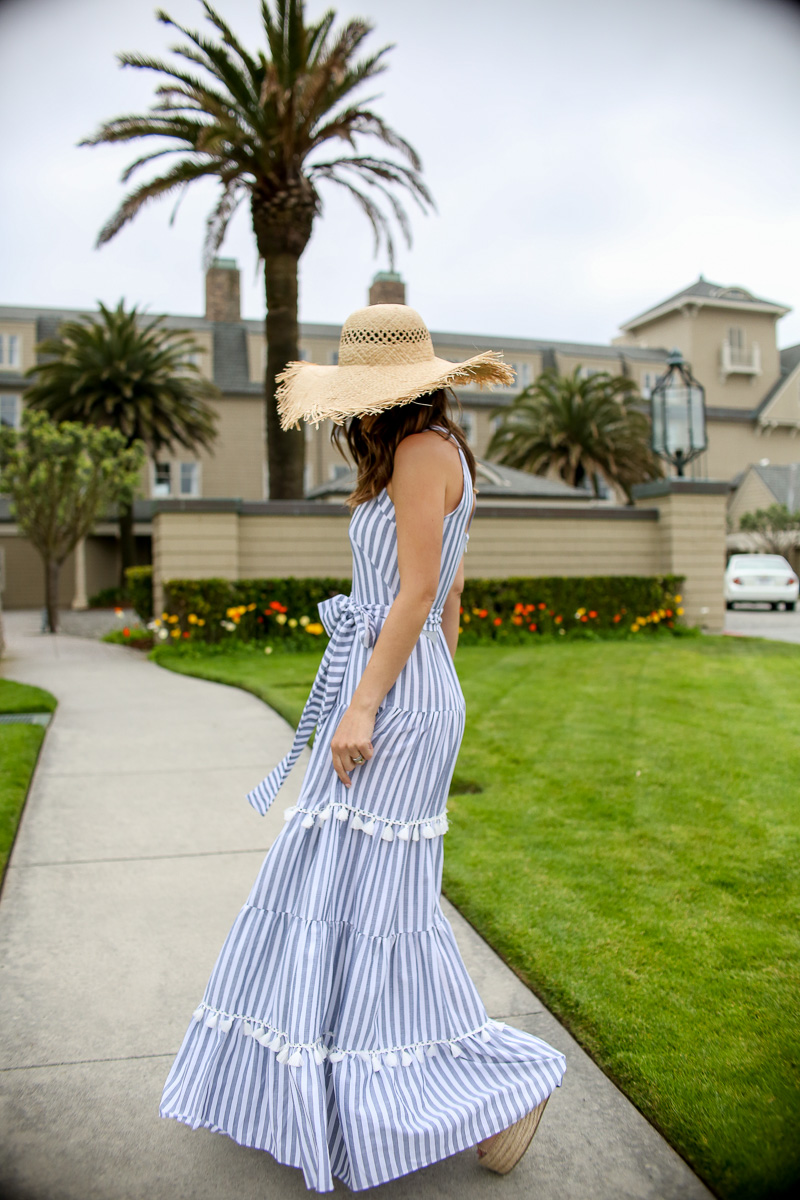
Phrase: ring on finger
[358,760]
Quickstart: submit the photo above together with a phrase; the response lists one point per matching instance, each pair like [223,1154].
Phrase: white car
[767,578]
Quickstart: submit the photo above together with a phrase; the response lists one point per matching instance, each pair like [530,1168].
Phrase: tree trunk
[285,450]
[51,573]
[127,542]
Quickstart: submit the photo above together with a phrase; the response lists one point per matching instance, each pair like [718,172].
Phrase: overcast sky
[588,159]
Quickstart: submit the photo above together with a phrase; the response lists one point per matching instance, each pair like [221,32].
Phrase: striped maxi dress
[340,1030]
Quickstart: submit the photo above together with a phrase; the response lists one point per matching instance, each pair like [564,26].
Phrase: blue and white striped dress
[340,1030]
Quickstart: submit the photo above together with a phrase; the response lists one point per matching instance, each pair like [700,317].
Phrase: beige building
[727,335]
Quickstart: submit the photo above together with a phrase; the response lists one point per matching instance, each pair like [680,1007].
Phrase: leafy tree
[775,530]
[115,372]
[581,428]
[257,122]
[61,478]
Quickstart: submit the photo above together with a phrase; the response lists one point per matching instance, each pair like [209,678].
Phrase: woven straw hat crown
[386,358]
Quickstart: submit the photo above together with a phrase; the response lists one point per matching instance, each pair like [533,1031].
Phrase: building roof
[713,294]
[783,480]
[493,480]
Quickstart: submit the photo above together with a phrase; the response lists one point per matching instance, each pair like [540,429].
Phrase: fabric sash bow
[343,618]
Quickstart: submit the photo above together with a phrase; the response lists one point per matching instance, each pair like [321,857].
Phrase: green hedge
[139,581]
[283,612]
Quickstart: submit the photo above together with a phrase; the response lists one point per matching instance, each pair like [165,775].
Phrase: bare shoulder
[425,450]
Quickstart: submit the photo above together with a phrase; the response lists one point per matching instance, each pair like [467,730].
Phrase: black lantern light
[678,410]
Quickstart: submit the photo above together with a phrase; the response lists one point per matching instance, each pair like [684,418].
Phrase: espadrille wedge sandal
[504,1150]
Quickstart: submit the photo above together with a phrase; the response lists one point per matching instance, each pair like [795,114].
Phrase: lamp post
[678,411]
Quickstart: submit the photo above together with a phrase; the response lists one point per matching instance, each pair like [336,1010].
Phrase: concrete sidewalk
[136,851]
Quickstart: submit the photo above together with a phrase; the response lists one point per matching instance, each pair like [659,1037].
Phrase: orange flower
[461,609]
[126,632]
[516,620]
[592,613]
[529,608]
[584,617]
[483,612]
[669,612]
[542,606]
[532,628]
[519,608]
[617,618]
[276,606]
[559,620]
[498,621]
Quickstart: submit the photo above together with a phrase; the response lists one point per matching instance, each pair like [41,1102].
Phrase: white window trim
[5,350]
[153,493]
[18,417]
[195,462]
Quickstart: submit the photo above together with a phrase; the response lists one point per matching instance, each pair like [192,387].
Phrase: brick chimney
[387,288]
[222,291]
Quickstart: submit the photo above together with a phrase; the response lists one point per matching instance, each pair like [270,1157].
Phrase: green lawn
[634,855]
[19,749]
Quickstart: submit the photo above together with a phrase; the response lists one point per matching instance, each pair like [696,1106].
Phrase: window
[588,372]
[736,337]
[9,350]
[190,479]
[162,480]
[649,380]
[338,470]
[10,407]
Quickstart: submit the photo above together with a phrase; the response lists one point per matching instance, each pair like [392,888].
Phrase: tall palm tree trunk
[285,451]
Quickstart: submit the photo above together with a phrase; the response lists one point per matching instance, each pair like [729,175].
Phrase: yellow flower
[174,618]
[461,629]
[164,616]
[467,617]
[476,611]
[281,618]
[314,627]
[634,628]
[192,619]
[175,632]
[679,611]
[292,622]
[580,612]
[250,607]
[678,599]
[304,621]
[201,620]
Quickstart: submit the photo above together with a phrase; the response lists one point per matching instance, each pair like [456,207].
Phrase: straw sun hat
[386,358]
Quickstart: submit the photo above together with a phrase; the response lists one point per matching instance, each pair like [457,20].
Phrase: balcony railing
[740,360]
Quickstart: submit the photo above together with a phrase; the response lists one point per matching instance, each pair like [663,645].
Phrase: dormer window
[736,357]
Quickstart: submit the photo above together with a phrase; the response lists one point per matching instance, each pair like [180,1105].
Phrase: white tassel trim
[292,1054]
[369,823]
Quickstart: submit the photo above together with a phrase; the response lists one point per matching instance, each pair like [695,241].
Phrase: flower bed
[282,613]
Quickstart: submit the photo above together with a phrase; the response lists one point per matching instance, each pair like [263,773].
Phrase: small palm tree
[258,122]
[119,373]
[581,428]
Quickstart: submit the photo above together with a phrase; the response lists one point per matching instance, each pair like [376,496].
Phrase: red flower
[483,612]
[617,618]
[584,617]
[529,608]
[592,613]
[276,606]
[519,608]
[542,606]
[461,609]
[669,612]
[516,620]
[126,632]
[532,628]
[186,633]
[260,620]
[498,621]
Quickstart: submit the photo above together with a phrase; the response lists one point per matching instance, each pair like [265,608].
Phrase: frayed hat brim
[313,393]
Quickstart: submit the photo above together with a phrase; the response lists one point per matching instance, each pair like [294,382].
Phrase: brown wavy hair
[372,448]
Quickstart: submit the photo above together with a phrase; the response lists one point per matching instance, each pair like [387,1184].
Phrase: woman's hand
[351,741]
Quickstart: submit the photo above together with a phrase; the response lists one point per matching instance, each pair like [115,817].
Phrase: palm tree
[137,378]
[579,427]
[257,123]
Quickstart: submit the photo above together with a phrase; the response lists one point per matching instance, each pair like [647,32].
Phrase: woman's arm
[419,484]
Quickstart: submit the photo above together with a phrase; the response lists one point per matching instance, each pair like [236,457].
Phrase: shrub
[110,597]
[139,582]
[283,612]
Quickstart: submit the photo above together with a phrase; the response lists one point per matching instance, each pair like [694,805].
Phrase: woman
[340,1030]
